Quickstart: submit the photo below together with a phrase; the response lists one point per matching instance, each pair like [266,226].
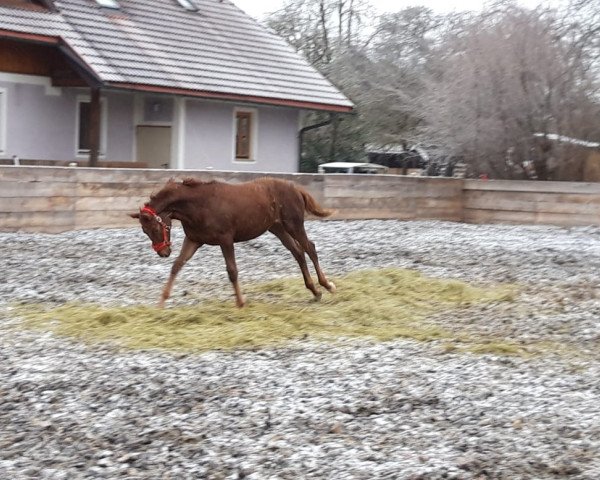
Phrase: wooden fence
[56,199]
[530,202]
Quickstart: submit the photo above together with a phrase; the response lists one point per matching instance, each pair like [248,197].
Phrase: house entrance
[154,146]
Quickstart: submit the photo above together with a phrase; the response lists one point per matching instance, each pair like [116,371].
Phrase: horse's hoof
[318,296]
[241,303]
[331,288]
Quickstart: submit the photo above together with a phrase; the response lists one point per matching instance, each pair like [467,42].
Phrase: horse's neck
[163,202]
[182,204]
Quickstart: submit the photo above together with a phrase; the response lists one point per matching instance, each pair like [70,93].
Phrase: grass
[379,305]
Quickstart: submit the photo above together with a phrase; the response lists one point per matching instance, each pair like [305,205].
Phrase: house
[187,84]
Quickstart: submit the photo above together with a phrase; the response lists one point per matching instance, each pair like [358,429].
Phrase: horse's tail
[311,205]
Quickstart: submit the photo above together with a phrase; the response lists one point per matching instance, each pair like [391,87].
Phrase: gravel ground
[354,410]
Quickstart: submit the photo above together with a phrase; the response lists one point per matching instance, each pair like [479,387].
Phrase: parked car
[352,167]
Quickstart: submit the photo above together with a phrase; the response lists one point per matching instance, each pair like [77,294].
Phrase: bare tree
[320,29]
[405,38]
[490,88]
[503,77]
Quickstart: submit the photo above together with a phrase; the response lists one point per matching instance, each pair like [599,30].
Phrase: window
[83,141]
[83,125]
[244,134]
[108,3]
[2,121]
[188,5]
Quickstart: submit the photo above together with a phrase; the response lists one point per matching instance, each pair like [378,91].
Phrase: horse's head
[157,227]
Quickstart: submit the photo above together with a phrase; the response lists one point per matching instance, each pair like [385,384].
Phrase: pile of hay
[380,305]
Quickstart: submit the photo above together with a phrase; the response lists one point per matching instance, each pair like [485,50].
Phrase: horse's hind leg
[291,244]
[229,255]
[187,251]
[297,232]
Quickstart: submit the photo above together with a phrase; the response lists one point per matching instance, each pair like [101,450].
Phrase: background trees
[504,77]
[488,87]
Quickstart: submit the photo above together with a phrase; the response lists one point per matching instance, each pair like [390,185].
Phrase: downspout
[307,129]
[334,137]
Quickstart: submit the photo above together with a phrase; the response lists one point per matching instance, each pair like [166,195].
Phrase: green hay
[379,305]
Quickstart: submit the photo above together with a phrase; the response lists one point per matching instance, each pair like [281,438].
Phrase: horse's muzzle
[164,252]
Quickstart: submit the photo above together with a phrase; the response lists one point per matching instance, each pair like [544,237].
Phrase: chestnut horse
[216,213]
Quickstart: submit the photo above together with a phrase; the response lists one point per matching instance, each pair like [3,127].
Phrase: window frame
[252,114]
[82,153]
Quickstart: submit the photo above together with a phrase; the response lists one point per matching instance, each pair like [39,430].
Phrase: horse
[218,213]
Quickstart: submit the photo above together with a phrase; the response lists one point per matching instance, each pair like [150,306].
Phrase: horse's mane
[172,185]
[194,182]
[165,191]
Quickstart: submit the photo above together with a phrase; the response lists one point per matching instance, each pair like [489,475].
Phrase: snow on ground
[354,410]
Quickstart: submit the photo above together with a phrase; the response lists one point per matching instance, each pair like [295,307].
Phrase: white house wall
[41,125]
[210,138]
[278,140]
[38,118]
[41,120]
[120,127]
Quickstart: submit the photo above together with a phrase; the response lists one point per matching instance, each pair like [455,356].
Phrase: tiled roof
[33,21]
[217,51]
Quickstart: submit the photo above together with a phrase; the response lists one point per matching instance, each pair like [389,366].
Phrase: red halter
[165,243]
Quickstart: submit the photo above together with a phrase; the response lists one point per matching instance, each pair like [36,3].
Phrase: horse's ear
[134,215]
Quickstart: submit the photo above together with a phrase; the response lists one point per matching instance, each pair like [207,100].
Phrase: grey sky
[257,8]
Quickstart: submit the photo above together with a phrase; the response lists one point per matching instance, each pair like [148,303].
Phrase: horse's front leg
[187,251]
[229,255]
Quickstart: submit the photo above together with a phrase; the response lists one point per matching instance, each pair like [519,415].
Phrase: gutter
[29,37]
[307,129]
[234,97]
